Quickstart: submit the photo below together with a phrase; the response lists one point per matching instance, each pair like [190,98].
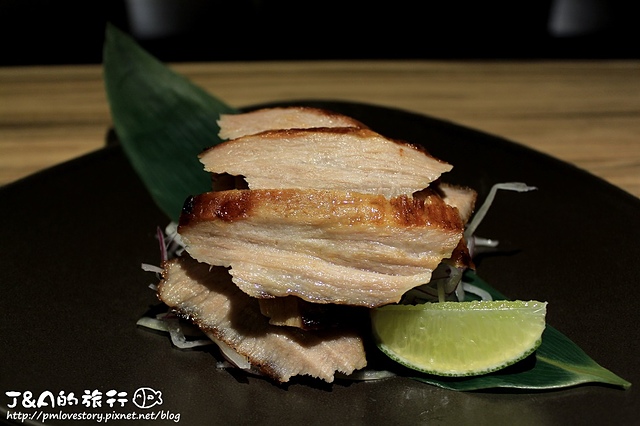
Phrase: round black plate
[71,290]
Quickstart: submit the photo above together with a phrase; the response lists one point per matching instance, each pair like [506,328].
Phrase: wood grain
[584,112]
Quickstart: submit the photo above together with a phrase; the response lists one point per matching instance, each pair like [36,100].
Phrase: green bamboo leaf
[557,363]
[162,120]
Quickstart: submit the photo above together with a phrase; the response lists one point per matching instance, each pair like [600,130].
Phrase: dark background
[72,31]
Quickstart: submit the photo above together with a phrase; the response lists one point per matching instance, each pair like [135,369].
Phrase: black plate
[74,236]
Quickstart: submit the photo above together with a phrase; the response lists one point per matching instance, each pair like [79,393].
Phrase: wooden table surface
[585,112]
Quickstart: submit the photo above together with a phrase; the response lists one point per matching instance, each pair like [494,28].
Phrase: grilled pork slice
[207,296]
[322,246]
[464,200]
[460,197]
[233,126]
[359,160]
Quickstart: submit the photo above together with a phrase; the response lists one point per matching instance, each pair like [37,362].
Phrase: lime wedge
[459,338]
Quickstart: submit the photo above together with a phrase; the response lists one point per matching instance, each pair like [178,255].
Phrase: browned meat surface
[207,296]
[461,258]
[322,246]
[464,200]
[354,159]
[233,126]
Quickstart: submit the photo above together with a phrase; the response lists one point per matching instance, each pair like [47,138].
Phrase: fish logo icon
[147,397]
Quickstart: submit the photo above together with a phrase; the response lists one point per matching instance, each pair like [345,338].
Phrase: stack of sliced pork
[312,217]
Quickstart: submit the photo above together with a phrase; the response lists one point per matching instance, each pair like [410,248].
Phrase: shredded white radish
[485,242]
[151,268]
[470,288]
[178,331]
[174,245]
[365,375]
[152,323]
[460,295]
[178,338]
[443,284]
[232,356]
[482,211]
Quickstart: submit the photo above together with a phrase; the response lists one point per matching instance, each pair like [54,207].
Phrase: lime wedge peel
[459,338]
